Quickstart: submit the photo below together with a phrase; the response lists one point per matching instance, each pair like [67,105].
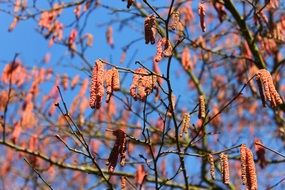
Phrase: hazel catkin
[97,88]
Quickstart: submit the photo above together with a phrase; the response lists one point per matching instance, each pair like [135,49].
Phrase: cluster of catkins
[164,47]
[185,124]
[248,173]
[119,149]
[143,84]
[267,89]
[99,76]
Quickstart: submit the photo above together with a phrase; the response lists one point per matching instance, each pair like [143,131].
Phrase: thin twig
[279,182]
[38,174]
[276,152]
[69,148]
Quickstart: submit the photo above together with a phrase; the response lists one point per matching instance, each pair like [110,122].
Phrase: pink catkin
[251,172]
[187,14]
[202,107]
[149,29]
[108,82]
[225,168]
[77,11]
[72,36]
[142,84]
[185,59]
[112,80]
[212,166]
[267,88]
[109,36]
[97,88]
[175,20]
[163,49]
[243,163]
[202,13]
[115,80]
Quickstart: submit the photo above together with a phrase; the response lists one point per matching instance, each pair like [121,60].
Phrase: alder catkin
[185,59]
[212,166]
[142,85]
[149,29]
[260,153]
[119,149]
[225,168]
[173,102]
[115,79]
[185,124]
[267,89]
[202,13]
[163,49]
[174,20]
[243,163]
[108,81]
[97,88]
[251,173]
[202,107]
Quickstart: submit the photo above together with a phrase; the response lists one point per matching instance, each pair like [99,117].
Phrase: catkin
[225,168]
[115,79]
[185,124]
[119,149]
[174,20]
[142,85]
[173,101]
[112,81]
[212,166]
[267,89]
[202,13]
[243,163]
[260,153]
[185,59]
[108,82]
[251,173]
[149,29]
[202,107]
[163,49]
[97,88]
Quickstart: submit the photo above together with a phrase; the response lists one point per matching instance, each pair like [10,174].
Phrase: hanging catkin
[202,107]
[243,163]
[97,88]
[267,89]
[202,13]
[143,84]
[251,173]
[212,166]
[185,124]
[163,49]
[225,168]
[149,29]
[115,79]
[112,81]
[119,149]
